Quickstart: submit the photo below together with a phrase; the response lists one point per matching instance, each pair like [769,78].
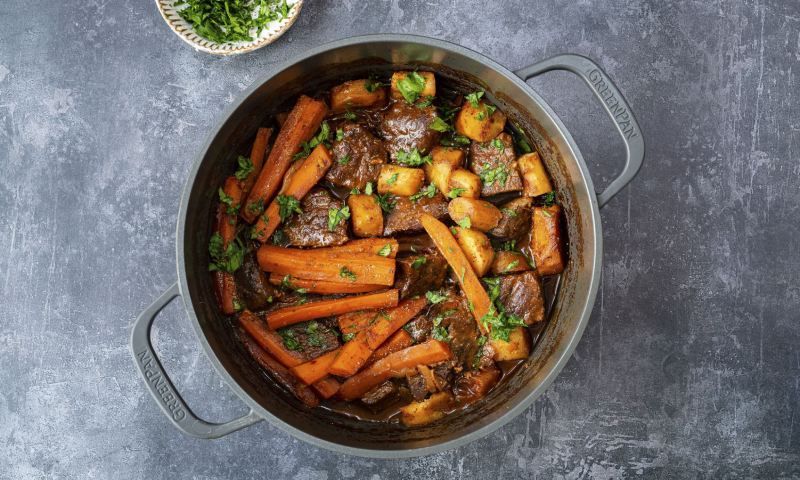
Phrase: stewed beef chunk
[310,229]
[252,285]
[379,393]
[404,217]
[521,294]
[495,162]
[419,273]
[358,157]
[453,322]
[516,221]
[310,339]
[406,127]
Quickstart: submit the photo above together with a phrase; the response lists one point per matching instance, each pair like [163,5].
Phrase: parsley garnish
[339,134]
[245,167]
[256,207]
[411,86]
[320,138]
[336,215]
[496,319]
[287,206]
[549,198]
[509,212]
[228,259]
[439,125]
[385,250]
[289,341]
[344,160]
[345,272]
[511,266]
[509,246]
[435,297]
[368,189]
[474,97]
[348,115]
[497,174]
[392,179]
[456,192]
[386,201]
[429,191]
[547,214]
[346,337]
[412,158]
[225,21]
[371,84]
[279,237]
[465,223]
[498,144]
[230,209]
[454,141]
[313,337]
[418,262]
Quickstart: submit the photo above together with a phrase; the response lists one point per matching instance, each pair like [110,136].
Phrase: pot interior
[320,71]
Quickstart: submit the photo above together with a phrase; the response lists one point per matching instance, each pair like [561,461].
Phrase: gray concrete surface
[689,367]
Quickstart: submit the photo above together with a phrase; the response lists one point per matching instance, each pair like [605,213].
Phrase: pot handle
[614,104]
[161,386]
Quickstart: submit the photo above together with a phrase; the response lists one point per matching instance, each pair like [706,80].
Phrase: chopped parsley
[344,160]
[465,223]
[509,212]
[498,144]
[456,192]
[256,207]
[497,320]
[497,174]
[345,272]
[474,98]
[244,169]
[435,297]
[386,201]
[225,199]
[279,237]
[226,21]
[368,188]
[288,206]
[546,213]
[313,334]
[549,198]
[289,340]
[339,134]
[346,337]
[454,140]
[392,179]
[411,86]
[371,84]
[412,158]
[336,215]
[418,262]
[385,250]
[509,246]
[511,266]
[286,284]
[429,191]
[320,138]
[227,259]
[439,125]
[439,332]
[427,101]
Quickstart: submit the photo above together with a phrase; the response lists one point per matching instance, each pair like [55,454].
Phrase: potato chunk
[426,411]
[443,161]
[546,241]
[429,90]
[365,215]
[477,248]
[356,94]
[509,262]
[397,180]
[465,183]
[481,214]
[476,124]
[534,177]
[517,347]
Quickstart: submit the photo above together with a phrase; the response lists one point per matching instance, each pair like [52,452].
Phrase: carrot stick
[352,356]
[455,257]
[315,370]
[269,340]
[354,322]
[354,268]
[297,185]
[326,308]
[395,364]
[327,387]
[390,321]
[304,119]
[375,246]
[224,285]
[323,287]
[400,340]
[260,145]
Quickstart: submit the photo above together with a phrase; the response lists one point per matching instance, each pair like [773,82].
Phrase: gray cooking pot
[321,68]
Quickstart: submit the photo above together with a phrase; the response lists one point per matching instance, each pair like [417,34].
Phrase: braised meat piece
[516,221]
[406,127]
[379,393]
[521,293]
[404,217]
[453,322]
[418,386]
[418,273]
[420,328]
[252,286]
[358,157]
[310,229]
[497,167]
[473,385]
[310,339]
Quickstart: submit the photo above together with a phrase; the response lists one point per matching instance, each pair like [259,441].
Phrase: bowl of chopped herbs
[229,27]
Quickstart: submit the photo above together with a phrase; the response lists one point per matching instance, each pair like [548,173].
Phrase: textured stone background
[689,366]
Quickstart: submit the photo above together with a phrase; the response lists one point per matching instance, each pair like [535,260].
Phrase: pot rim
[571,341]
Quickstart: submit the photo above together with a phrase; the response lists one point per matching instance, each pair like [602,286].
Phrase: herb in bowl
[228,21]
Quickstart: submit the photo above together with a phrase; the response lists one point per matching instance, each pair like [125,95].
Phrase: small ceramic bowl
[184,30]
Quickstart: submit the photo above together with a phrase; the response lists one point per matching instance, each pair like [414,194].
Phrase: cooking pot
[318,69]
